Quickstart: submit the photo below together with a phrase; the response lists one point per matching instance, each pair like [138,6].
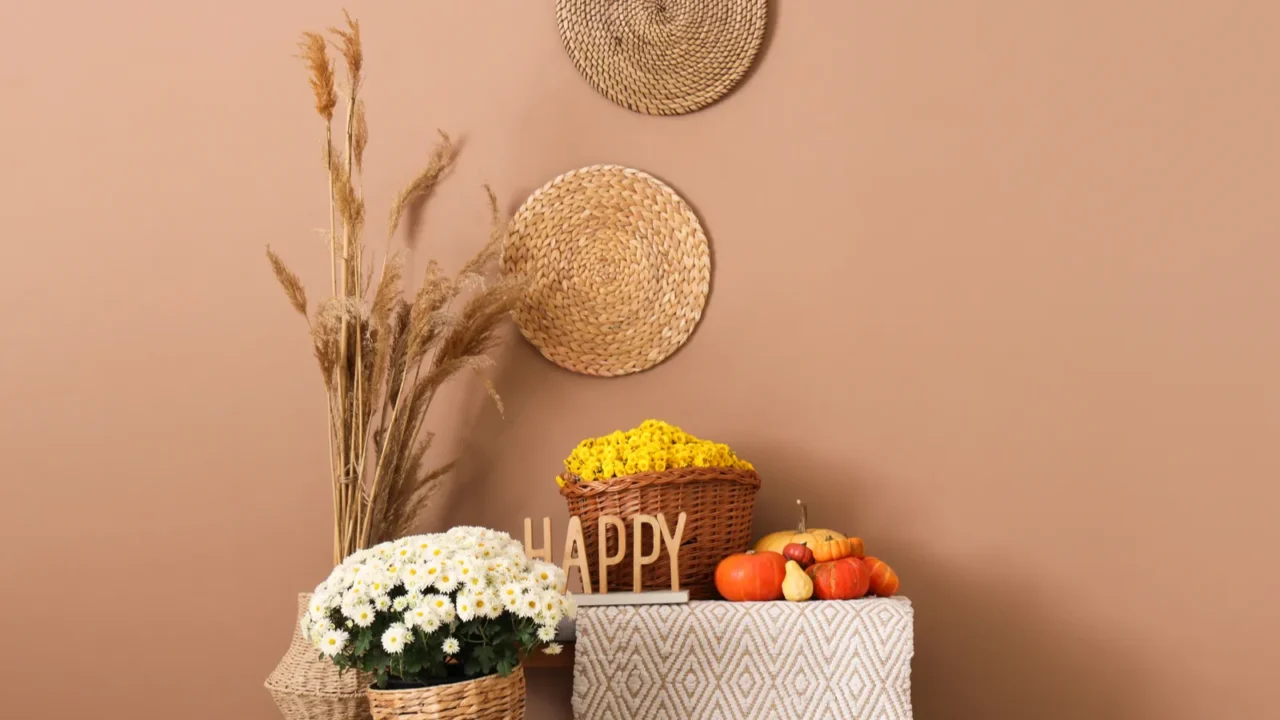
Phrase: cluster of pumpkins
[804,563]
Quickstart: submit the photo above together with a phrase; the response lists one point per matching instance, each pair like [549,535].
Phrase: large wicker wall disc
[662,57]
[619,270]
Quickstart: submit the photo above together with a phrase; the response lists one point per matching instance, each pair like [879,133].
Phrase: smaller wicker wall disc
[662,57]
[619,270]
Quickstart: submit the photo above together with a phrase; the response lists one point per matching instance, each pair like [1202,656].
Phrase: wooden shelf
[540,659]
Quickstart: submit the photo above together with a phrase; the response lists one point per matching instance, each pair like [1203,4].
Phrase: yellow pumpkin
[802,534]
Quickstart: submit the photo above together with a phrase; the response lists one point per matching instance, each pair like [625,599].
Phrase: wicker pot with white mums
[426,613]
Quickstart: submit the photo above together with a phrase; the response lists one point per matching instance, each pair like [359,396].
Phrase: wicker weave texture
[492,697]
[718,503]
[662,57]
[306,687]
[619,270]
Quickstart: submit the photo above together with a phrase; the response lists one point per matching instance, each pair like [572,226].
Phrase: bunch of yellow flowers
[655,445]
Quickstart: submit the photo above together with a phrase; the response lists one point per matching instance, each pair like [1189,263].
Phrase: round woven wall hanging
[619,270]
[662,57]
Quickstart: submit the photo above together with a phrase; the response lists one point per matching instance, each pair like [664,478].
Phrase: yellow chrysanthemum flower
[654,445]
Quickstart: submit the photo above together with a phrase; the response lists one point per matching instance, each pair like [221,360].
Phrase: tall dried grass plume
[383,357]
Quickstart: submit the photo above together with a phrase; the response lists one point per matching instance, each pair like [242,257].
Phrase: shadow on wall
[987,645]
[470,492]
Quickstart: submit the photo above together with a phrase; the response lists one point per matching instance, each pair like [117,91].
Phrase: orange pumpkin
[802,534]
[858,550]
[751,576]
[884,581]
[829,550]
[843,579]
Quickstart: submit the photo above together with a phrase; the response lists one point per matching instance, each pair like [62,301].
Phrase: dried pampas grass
[382,357]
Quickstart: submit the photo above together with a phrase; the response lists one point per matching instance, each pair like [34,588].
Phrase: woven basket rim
[675,476]
[494,676]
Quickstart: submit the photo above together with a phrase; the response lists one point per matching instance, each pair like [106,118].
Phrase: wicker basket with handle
[306,686]
[492,697]
[718,504]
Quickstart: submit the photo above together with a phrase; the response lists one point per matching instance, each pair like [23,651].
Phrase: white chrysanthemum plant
[437,608]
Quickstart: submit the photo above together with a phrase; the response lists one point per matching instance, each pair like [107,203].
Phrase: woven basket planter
[492,697]
[306,687]
[718,504]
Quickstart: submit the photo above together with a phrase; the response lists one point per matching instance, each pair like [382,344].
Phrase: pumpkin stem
[804,516]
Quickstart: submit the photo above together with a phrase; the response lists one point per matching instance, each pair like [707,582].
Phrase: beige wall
[994,287]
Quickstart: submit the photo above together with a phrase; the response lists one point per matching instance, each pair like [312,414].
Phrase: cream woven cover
[829,660]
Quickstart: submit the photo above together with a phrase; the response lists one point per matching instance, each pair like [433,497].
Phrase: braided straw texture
[307,687]
[618,266]
[492,697]
[662,57]
[718,503]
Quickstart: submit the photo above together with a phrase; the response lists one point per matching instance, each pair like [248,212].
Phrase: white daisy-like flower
[381,584]
[529,605]
[355,595]
[553,648]
[448,580]
[429,551]
[362,615]
[395,638]
[319,607]
[560,579]
[451,646]
[447,612]
[414,575]
[484,603]
[549,603]
[492,606]
[349,606]
[475,582]
[466,606]
[545,574]
[317,631]
[485,570]
[332,642]
[439,604]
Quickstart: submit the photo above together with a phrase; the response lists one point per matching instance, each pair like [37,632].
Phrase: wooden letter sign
[575,547]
